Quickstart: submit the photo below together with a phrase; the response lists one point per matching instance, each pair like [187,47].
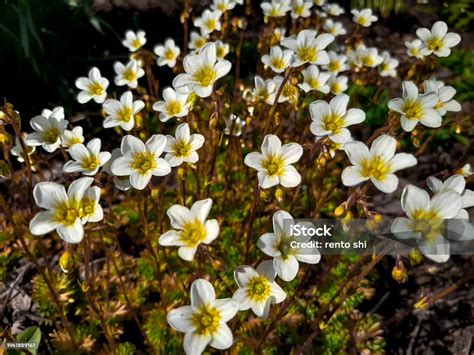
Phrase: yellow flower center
[334,66]
[313,82]
[67,213]
[277,63]
[193,233]
[88,206]
[182,149]
[206,320]
[274,165]
[206,75]
[92,162]
[210,24]
[376,167]
[169,54]
[136,43]
[258,289]
[298,10]
[414,51]
[174,108]
[439,105]
[333,123]
[336,88]
[51,135]
[434,43]
[363,21]
[308,54]
[426,222]
[222,7]
[368,60]
[125,114]
[199,42]
[74,140]
[144,163]
[129,74]
[413,109]
[96,89]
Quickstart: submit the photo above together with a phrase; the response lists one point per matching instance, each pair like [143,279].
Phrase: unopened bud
[279,194]
[415,256]
[155,193]
[321,162]
[181,173]
[265,195]
[213,122]
[66,262]
[339,211]
[5,139]
[399,273]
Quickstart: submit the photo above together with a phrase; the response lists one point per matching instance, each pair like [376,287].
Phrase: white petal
[202,293]
[179,216]
[194,343]
[49,194]
[254,160]
[384,146]
[138,180]
[267,244]
[267,269]
[228,308]
[212,231]
[132,145]
[181,319]
[187,253]
[291,152]
[286,268]
[222,338]
[290,177]
[200,209]
[243,273]
[43,223]
[170,238]
[73,233]
[352,176]
[414,199]
[356,152]
[387,185]
[447,204]
[271,145]
[402,161]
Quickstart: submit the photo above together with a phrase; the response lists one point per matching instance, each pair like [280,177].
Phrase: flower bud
[279,195]
[66,262]
[5,139]
[155,193]
[182,173]
[415,256]
[399,273]
[339,211]
[265,195]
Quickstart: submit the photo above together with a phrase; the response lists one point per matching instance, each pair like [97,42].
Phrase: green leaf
[30,335]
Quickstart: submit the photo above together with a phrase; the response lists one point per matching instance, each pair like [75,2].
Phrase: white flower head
[333,9]
[278,60]
[455,183]
[182,148]
[209,21]
[223,5]
[333,118]
[121,182]
[278,34]
[191,228]
[87,159]
[278,246]
[377,164]
[274,163]
[48,127]
[301,8]
[265,90]
[337,63]
[222,49]
[334,28]
[122,113]
[338,84]
[197,40]
[414,49]
[445,96]
[141,161]
[94,87]
[438,40]
[64,211]
[416,108]
[364,17]
[128,74]
[289,92]
[174,105]
[308,48]
[134,41]
[425,220]
[17,151]
[71,137]
[257,288]
[233,125]
[275,8]
[388,65]
[314,80]
[204,321]
[91,209]
[369,57]
[202,71]
[167,53]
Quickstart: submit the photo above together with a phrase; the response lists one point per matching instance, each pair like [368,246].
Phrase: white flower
[167,53]
[209,21]
[202,71]
[314,80]
[134,41]
[128,74]
[438,40]
[274,163]
[121,182]
[223,5]
[141,161]
[337,63]
[222,49]
[278,60]
[308,48]
[278,34]
[425,220]
[233,125]
[334,28]
[414,49]
[94,87]
[445,96]
[333,9]
[48,127]
[265,90]
[257,288]
[377,165]
[275,8]
[455,183]
[122,113]
[192,226]
[17,151]
[69,138]
[174,105]
[87,159]
[333,118]
[278,246]
[65,211]
[301,8]
[204,321]
[388,65]
[288,93]
[415,108]
[183,148]
[338,84]
[91,209]
[197,41]
[364,17]
[466,170]
[369,57]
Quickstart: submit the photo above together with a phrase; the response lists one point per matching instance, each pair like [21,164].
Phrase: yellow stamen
[182,148]
[193,233]
[333,123]
[258,289]
[376,167]
[144,162]
[206,75]
[308,54]
[206,320]
[96,89]
[274,165]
